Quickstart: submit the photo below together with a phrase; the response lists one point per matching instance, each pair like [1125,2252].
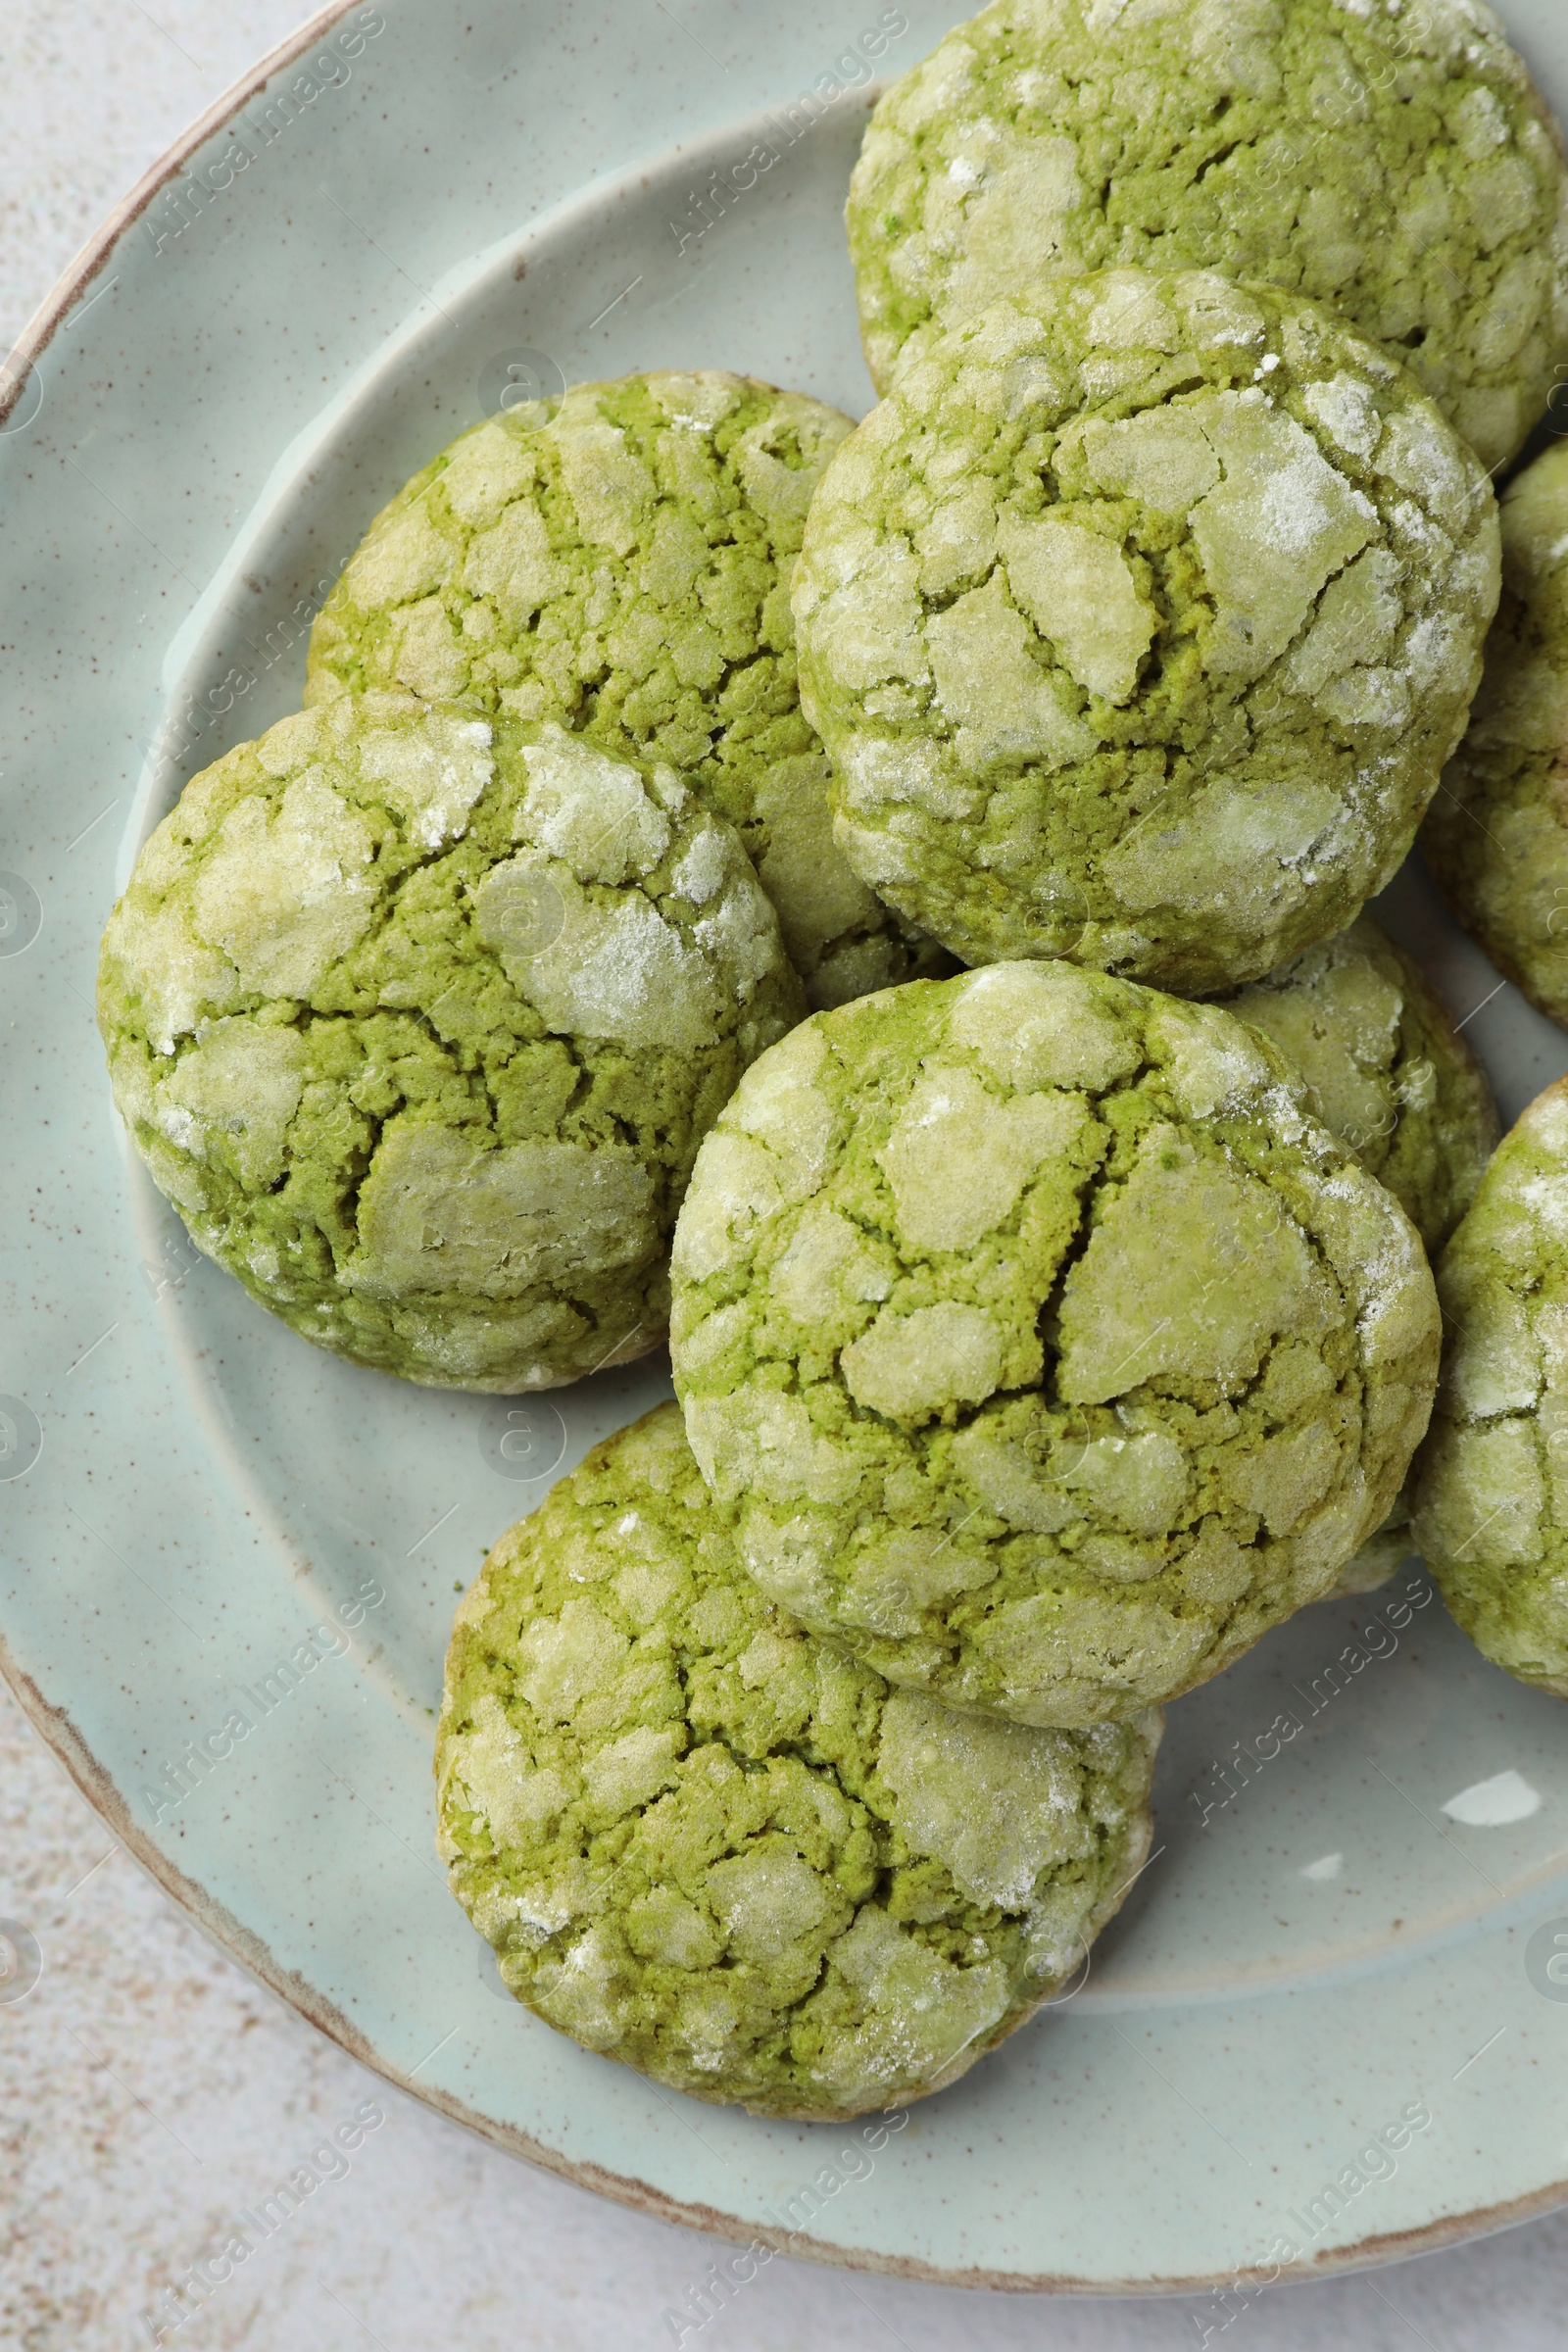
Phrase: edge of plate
[56,1729]
[80,273]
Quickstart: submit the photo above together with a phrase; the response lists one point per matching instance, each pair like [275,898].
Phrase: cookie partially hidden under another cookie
[1492,1480]
[1393,160]
[1389,1073]
[1384,1068]
[1496,835]
[620,560]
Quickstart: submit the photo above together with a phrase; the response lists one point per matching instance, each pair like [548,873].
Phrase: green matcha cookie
[709,1845]
[621,560]
[1139,629]
[1496,836]
[1382,1555]
[1043,1346]
[419,1024]
[1492,1480]
[1393,160]
[1385,1071]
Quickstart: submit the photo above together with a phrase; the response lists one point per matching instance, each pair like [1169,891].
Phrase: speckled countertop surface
[149,2090]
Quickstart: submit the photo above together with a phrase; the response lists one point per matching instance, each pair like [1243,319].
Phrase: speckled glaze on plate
[1360,1883]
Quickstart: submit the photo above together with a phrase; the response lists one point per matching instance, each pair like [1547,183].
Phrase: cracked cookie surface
[620,560]
[1492,1480]
[1043,1348]
[1384,1070]
[1387,1073]
[1496,835]
[1139,626]
[418,1023]
[1395,160]
[714,1847]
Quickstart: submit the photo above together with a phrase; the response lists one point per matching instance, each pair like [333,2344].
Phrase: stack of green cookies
[419,1008]
[584,964]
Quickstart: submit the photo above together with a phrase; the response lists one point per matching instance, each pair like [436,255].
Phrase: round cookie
[1040,1345]
[1492,1480]
[620,560]
[1385,1069]
[1496,838]
[419,1023]
[1393,159]
[709,1845]
[1139,627]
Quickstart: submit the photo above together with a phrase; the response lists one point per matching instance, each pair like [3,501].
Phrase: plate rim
[55,1726]
[84,266]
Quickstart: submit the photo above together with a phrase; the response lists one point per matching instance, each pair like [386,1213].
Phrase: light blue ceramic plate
[402,220]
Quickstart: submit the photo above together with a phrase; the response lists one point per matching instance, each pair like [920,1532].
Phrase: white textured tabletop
[149,2090]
